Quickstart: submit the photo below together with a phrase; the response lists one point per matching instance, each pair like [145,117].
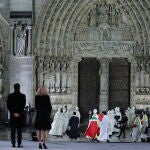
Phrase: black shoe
[118,136]
[13,145]
[40,146]
[20,146]
[44,145]
[142,140]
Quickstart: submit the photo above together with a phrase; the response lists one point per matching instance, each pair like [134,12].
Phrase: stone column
[29,49]
[12,41]
[74,84]
[104,84]
[133,79]
[1,76]
[21,71]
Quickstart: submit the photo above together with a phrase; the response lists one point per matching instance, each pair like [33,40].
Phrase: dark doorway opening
[89,86]
[119,83]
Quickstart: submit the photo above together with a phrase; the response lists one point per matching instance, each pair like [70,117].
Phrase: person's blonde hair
[42,91]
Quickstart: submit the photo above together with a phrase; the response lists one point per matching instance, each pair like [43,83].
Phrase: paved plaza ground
[75,145]
[65,143]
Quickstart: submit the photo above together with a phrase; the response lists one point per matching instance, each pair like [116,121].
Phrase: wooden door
[88,86]
[119,79]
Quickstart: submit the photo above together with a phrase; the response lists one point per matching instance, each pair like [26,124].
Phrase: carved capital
[104,60]
[77,59]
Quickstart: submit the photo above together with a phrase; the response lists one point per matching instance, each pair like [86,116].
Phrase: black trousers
[122,130]
[13,135]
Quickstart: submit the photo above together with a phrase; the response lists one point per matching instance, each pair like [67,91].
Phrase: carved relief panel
[104,23]
[54,73]
[142,75]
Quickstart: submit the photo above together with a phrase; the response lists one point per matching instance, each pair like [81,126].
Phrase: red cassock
[93,129]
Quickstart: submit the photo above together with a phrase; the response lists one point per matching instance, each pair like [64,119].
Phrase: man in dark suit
[16,102]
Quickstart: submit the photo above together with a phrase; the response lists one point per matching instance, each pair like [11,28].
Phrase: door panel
[88,86]
[119,88]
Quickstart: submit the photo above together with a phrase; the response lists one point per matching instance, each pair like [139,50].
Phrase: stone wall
[20,5]
[101,29]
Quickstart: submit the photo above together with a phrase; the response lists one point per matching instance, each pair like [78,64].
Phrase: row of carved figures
[143,91]
[103,34]
[56,82]
[104,13]
[53,65]
[142,75]
[54,74]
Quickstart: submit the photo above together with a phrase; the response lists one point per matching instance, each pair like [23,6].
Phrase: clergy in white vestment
[77,112]
[57,125]
[65,118]
[103,137]
[136,133]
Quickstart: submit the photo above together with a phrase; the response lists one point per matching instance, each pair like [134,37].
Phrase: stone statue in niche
[52,76]
[146,80]
[101,31]
[142,75]
[1,52]
[92,17]
[1,74]
[40,71]
[147,67]
[118,17]
[47,80]
[57,70]
[64,77]
[108,34]
[105,35]
[68,80]
[47,75]
[102,11]
[113,15]
[21,32]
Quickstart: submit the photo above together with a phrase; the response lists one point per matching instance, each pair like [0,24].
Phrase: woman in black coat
[43,110]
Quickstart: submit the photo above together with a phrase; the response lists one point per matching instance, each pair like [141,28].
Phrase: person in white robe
[78,112]
[65,117]
[128,114]
[144,123]
[104,137]
[57,124]
[133,115]
[136,133]
[111,119]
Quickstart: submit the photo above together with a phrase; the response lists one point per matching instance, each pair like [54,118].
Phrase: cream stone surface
[66,31]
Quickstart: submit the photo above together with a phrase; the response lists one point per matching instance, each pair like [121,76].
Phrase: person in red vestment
[92,130]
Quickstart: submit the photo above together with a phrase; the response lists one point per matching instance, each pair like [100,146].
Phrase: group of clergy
[65,122]
[102,125]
